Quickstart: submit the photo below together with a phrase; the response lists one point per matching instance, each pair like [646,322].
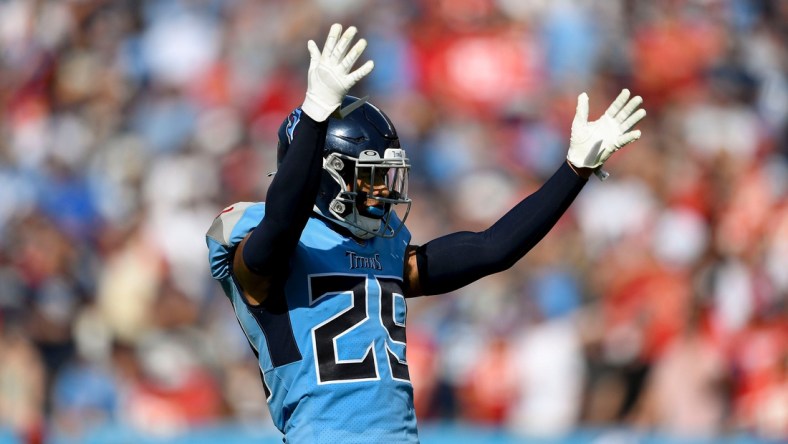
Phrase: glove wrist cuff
[580,163]
[317,110]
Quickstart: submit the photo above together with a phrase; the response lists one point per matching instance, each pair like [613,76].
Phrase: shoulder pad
[227,231]
[222,226]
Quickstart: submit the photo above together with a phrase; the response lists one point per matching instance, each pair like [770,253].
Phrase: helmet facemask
[369,187]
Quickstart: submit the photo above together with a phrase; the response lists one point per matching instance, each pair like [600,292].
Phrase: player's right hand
[329,77]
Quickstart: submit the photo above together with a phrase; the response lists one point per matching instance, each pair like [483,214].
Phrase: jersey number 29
[331,369]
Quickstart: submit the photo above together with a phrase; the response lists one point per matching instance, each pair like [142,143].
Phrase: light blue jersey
[332,351]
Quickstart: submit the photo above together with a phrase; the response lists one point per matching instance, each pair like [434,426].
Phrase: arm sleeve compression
[289,199]
[455,260]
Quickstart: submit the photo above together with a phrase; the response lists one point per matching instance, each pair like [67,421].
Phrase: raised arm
[455,260]
[265,251]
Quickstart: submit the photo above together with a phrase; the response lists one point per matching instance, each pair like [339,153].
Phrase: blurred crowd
[658,302]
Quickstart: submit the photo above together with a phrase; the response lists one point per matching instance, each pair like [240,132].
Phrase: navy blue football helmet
[365,171]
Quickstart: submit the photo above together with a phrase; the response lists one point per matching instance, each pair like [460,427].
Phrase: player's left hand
[592,143]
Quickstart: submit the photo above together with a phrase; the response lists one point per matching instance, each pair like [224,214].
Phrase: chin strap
[359,226]
[364,227]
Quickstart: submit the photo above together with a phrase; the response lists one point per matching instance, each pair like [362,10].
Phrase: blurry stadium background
[655,311]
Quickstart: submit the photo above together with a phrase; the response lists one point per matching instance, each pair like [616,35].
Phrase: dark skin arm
[255,286]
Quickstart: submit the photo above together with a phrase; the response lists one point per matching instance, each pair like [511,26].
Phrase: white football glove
[592,143]
[329,77]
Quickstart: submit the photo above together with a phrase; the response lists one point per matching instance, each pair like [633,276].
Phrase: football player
[320,272]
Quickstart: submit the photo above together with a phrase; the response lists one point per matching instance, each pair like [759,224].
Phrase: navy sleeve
[455,260]
[289,200]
